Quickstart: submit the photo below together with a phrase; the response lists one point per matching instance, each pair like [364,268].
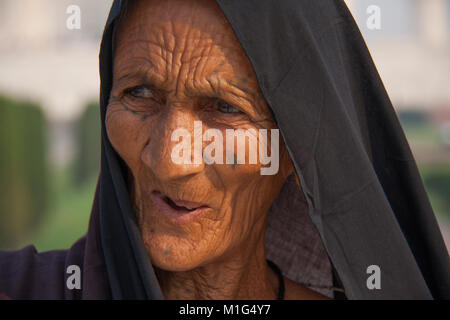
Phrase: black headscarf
[359,181]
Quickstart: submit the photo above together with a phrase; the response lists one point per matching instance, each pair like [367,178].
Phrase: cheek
[245,157]
[126,133]
[248,191]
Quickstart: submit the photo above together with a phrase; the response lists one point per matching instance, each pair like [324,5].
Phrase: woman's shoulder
[296,291]
[27,274]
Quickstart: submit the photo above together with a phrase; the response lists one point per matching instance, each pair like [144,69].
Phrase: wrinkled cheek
[127,135]
[251,192]
[243,163]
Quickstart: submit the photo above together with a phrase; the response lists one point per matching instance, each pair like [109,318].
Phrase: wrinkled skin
[178,61]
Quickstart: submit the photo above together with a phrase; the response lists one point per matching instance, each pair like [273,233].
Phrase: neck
[243,275]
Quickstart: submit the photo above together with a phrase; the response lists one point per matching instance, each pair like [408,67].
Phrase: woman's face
[177,62]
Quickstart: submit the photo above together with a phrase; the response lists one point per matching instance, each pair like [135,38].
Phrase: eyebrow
[136,76]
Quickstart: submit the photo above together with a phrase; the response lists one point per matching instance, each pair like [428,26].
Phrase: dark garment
[361,201]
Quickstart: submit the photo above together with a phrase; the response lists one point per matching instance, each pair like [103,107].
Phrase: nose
[170,153]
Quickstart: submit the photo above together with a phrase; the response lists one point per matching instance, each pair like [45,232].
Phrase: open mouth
[177,209]
[181,207]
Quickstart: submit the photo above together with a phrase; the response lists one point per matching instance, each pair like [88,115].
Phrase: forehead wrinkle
[215,85]
[170,25]
[182,54]
[138,76]
[185,46]
[139,36]
[164,14]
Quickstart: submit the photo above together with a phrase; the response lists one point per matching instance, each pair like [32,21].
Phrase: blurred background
[49,116]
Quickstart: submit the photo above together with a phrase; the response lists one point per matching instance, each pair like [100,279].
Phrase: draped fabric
[361,200]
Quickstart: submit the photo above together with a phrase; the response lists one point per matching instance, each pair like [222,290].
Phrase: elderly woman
[342,214]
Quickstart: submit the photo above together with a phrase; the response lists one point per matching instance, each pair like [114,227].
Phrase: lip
[176,210]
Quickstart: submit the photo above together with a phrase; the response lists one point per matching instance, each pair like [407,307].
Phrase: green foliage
[413,118]
[23,169]
[418,127]
[87,157]
[68,215]
[437,183]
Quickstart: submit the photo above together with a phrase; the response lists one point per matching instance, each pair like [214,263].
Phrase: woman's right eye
[142,92]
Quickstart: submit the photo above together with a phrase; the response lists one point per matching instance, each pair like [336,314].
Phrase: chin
[172,263]
[173,255]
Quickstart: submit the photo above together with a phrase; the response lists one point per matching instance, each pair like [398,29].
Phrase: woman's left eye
[141,92]
[227,108]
